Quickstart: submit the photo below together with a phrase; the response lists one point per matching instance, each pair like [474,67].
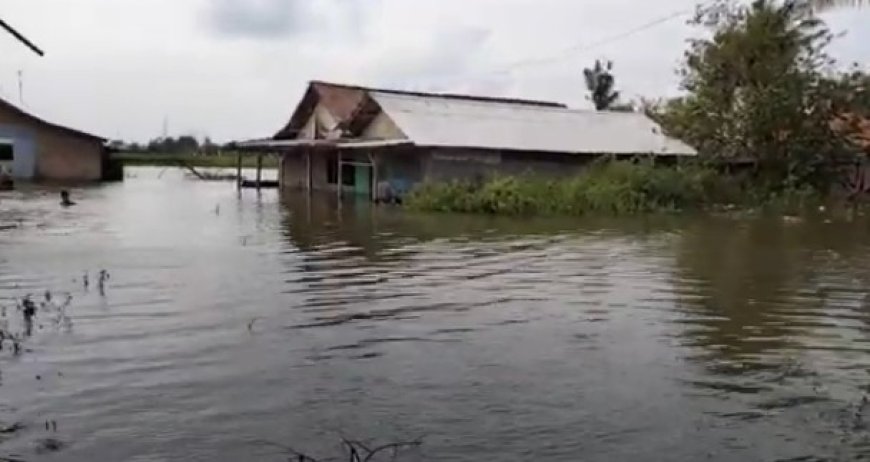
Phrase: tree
[759,89]
[600,83]
[186,144]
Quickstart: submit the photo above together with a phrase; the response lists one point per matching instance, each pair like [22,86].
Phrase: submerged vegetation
[618,187]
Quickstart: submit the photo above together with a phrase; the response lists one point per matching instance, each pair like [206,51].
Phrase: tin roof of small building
[505,125]
[36,120]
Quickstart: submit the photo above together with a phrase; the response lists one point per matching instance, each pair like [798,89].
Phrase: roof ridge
[455,96]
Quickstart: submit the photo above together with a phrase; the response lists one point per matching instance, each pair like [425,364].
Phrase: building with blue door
[380,143]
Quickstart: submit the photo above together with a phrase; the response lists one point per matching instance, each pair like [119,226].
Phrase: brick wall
[60,155]
[68,158]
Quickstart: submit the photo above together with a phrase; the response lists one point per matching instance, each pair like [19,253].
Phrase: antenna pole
[21,88]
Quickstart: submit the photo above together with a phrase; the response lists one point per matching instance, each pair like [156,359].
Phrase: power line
[21,38]
[583,47]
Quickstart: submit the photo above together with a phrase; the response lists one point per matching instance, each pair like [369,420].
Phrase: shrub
[612,187]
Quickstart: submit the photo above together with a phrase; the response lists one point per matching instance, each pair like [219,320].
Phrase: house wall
[457,164]
[45,152]
[473,164]
[67,158]
[403,168]
[293,171]
[23,141]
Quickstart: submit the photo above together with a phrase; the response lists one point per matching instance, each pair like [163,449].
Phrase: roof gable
[352,108]
[341,102]
[5,105]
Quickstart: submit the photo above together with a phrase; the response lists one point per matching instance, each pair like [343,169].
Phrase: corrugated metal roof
[500,125]
[26,115]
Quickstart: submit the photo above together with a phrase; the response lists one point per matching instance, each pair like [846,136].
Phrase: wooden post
[308,179]
[373,159]
[239,170]
[340,180]
[280,170]
[259,169]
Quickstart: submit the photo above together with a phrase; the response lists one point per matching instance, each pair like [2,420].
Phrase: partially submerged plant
[356,451]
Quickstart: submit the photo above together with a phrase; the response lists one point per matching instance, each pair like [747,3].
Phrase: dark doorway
[6,152]
[7,155]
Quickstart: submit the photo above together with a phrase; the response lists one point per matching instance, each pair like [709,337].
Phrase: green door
[362,181]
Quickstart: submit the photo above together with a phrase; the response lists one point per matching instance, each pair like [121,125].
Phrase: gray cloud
[426,65]
[258,19]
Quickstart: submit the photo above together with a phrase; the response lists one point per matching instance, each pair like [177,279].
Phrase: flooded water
[230,322]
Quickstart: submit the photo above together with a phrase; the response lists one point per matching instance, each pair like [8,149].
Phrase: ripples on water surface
[230,320]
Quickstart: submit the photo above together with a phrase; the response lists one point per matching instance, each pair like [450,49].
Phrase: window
[5,152]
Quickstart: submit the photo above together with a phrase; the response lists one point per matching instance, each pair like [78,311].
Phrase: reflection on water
[229,320]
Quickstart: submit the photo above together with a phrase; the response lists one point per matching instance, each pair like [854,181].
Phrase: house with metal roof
[377,142]
[34,149]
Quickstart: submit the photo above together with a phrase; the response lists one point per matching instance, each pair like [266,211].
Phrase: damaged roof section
[350,104]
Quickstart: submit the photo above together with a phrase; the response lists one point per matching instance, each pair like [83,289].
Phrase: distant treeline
[184,144]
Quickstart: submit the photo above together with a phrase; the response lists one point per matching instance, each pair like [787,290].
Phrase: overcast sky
[234,69]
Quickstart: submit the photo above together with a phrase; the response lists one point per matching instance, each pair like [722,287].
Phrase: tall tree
[758,89]
[600,83]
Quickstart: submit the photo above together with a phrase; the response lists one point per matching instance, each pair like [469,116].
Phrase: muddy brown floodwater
[229,321]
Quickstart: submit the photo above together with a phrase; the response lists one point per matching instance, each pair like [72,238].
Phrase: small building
[33,149]
[363,140]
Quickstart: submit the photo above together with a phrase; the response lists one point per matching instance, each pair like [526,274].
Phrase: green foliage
[184,144]
[601,83]
[759,89]
[607,188]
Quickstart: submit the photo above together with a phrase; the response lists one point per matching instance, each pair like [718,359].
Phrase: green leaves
[760,89]
[604,188]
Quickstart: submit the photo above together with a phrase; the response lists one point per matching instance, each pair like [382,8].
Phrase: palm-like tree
[600,83]
[21,38]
